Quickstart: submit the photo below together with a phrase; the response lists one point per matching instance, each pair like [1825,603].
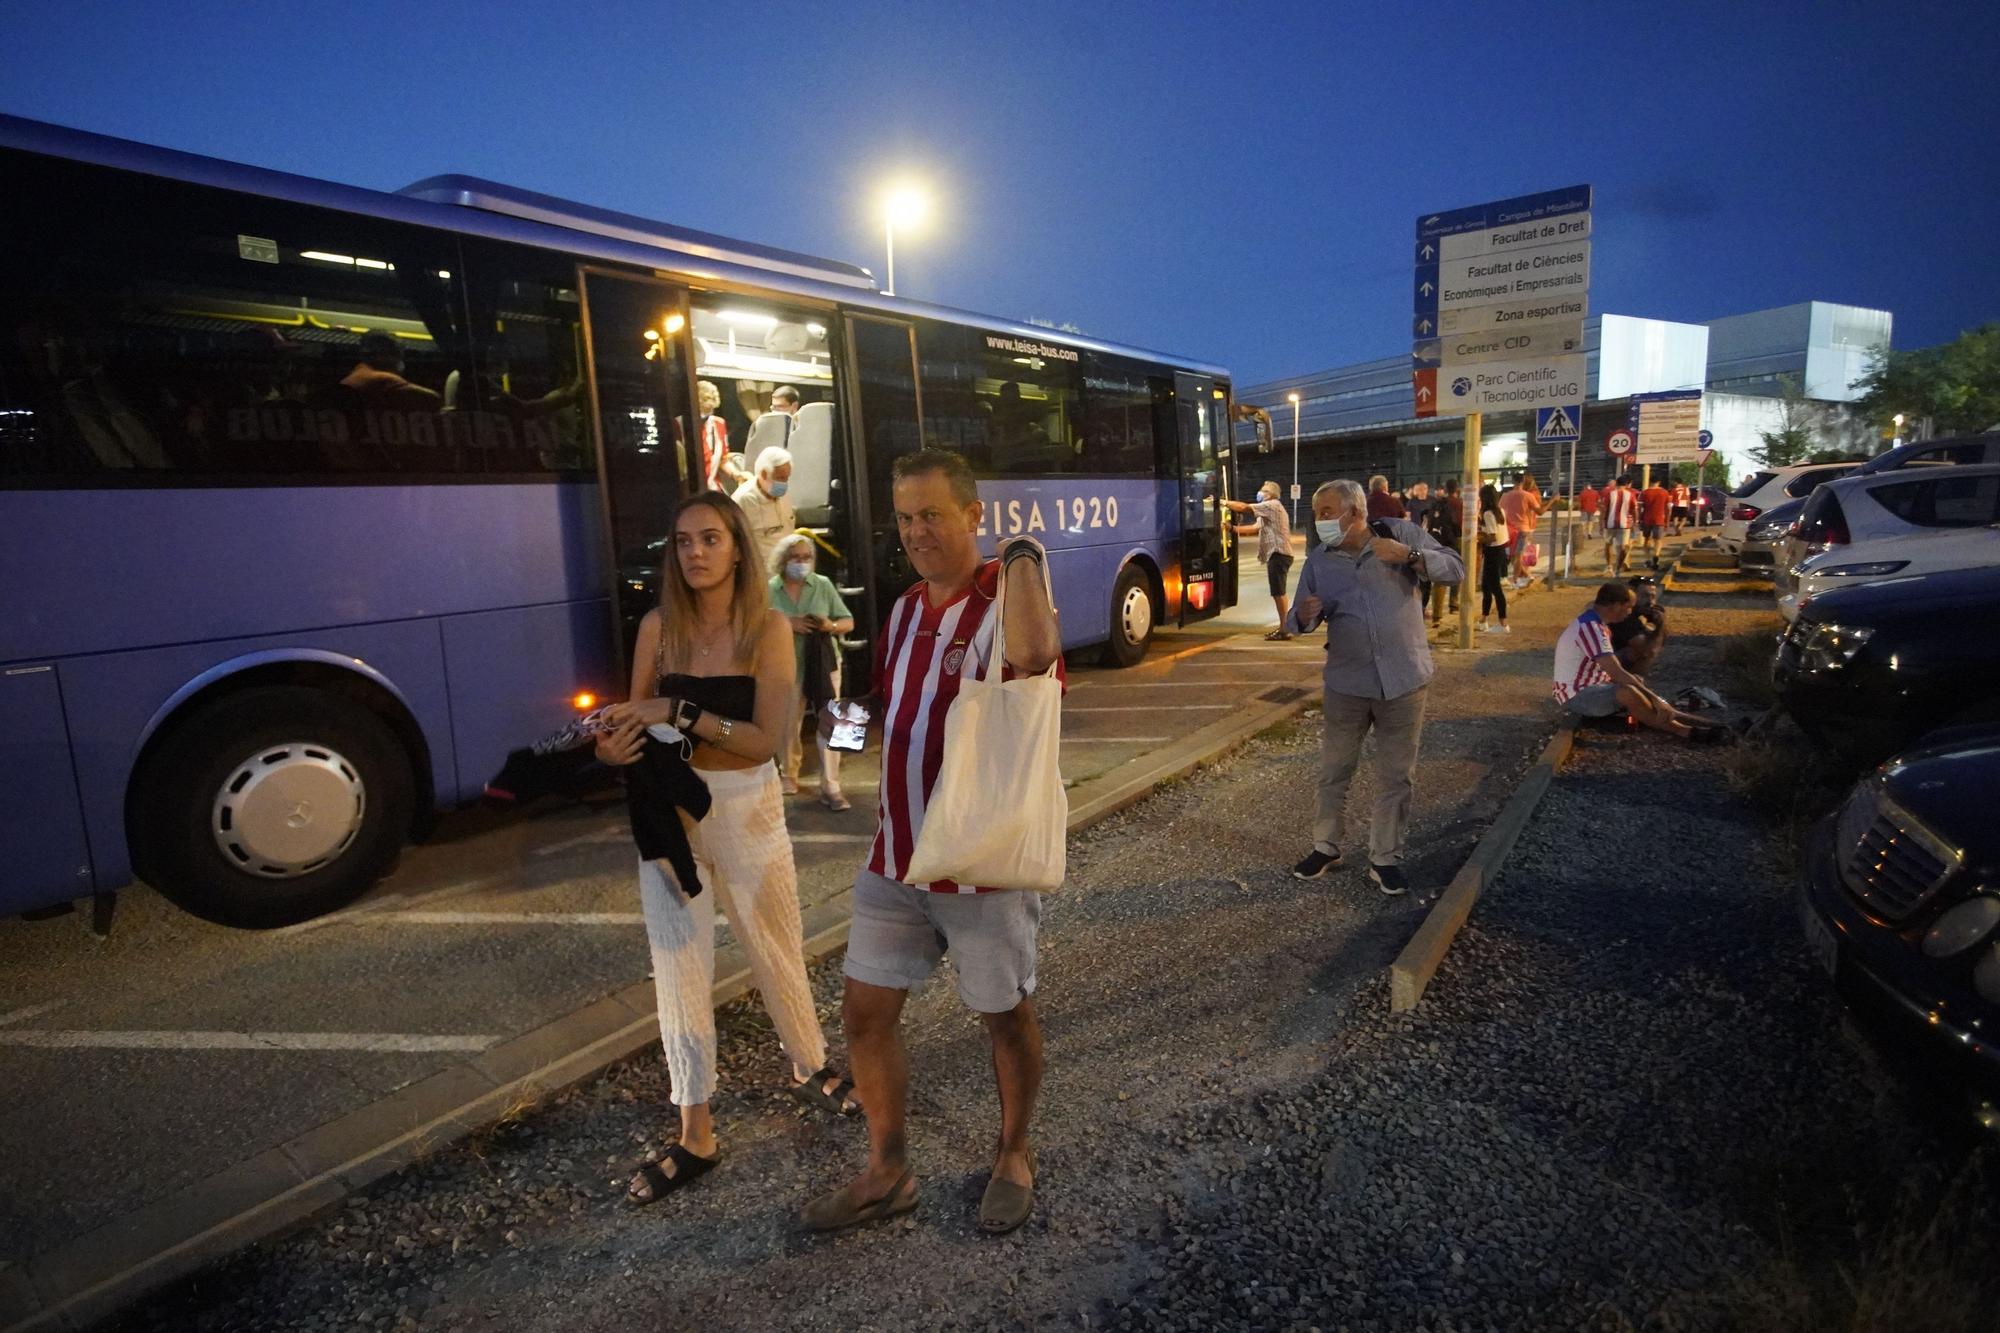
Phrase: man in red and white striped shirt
[934,634]
[1621,511]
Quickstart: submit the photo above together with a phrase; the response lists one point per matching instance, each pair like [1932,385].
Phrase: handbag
[1531,554]
[998,815]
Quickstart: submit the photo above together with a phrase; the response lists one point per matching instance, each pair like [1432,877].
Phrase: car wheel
[272,806]
[1131,618]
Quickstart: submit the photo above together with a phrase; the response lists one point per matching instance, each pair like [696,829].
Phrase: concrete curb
[1418,962]
[282,1188]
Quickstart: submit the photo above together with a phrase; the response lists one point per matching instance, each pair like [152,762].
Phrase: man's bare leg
[1017,1069]
[872,1017]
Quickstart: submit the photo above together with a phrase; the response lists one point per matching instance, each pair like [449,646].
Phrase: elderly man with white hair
[1362,581]
[764,503]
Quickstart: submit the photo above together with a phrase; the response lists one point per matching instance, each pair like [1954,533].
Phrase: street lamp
[1295,458]
[1897,437]
[905,206]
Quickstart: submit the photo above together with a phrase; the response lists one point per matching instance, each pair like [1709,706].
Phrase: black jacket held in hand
[657,787]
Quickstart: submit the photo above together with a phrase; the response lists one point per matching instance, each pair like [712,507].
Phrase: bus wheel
[1131,618]
[272,806]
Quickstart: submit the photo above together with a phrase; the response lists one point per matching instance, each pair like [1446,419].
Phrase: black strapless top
[733,697]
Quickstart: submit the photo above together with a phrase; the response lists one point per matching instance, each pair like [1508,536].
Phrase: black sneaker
[1317,863]
[1389,879]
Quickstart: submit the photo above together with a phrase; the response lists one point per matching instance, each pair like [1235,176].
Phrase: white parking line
[401,1042]
[584,839]
[1143,708]
[504,919]
[29,1011]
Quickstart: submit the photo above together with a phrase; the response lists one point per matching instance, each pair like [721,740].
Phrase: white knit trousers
[744,857]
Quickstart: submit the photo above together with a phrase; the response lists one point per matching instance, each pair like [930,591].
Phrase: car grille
[1897,864]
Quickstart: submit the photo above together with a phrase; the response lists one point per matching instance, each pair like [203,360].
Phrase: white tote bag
[998,815]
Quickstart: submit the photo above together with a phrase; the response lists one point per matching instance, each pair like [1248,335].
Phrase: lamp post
[1295,458]
[1897,438]
[905,206]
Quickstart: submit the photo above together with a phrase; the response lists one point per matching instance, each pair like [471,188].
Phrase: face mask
[796,570]
[1329,530]
[778,488]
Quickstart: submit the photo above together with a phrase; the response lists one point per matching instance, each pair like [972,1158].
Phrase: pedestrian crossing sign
[1557,425]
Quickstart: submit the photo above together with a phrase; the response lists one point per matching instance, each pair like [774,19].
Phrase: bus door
[1208,574]
[648,454]
[887,422]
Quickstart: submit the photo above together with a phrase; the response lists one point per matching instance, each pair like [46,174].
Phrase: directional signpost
[1667,426]
[1500,294]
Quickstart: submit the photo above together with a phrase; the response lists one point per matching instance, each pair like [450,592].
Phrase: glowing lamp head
[905,206]
[1291,398]
[583,701]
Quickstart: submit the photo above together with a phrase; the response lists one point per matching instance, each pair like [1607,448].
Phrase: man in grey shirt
[1363,586]
[1273,530]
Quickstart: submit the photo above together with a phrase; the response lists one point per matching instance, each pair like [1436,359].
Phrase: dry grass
[1786,781]
[495,1134]
[1917,1263]
[1745,661]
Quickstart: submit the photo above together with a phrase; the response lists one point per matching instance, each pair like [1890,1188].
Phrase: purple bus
[316,500]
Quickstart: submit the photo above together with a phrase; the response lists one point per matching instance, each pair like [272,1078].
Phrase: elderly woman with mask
[814,607]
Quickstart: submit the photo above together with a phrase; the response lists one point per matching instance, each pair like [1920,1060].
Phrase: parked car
[1912,521]
[1866,670]
[1767,489]
[1959,450]
[1901,908]
[1710,504]
[1761,540]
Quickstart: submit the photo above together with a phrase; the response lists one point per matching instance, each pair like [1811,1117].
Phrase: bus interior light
[326,257]
[748,317]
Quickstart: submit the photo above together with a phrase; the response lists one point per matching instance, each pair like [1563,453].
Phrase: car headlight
[1866,569]
[1986,975]
[1829,647]
[1962,926]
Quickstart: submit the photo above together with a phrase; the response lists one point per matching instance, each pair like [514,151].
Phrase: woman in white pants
[715,664]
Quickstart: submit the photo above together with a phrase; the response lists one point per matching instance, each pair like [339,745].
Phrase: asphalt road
[133,1066]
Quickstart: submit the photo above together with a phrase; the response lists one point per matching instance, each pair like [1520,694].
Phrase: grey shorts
[1600,700]
[1617,536]
[899,934]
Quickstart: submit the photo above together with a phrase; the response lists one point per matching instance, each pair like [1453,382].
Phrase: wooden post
[1468,540]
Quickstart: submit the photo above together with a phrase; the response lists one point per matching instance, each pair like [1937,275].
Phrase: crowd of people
[745,642]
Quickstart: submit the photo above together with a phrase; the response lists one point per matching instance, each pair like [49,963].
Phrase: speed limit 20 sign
[1618,443]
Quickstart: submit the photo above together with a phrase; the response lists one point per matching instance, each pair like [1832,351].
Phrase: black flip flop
[688,1168]
[813,1093]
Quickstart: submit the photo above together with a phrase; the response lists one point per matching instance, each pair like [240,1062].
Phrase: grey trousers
[1398,723]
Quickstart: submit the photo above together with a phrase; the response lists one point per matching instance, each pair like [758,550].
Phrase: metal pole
[1569,530]
[890,231]
[1468,539]
[1295,463]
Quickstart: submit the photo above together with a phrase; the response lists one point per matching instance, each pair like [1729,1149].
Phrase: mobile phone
[1380,527]
[850,726]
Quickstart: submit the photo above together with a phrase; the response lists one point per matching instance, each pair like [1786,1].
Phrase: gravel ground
[1624,1101]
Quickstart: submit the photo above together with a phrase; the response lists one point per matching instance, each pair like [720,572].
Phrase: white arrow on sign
[1424,394]
[1429,220]
[1426,289]
[1428,250]
[1423,326]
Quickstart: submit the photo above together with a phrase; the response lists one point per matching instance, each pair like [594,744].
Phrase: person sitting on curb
[1638,638]
[1590,681]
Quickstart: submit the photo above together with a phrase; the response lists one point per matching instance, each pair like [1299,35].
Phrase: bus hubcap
[288,810]
[1136,616]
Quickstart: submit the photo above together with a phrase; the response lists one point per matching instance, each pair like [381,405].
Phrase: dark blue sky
[1233,182]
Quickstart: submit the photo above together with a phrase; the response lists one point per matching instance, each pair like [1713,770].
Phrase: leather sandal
[837,1210]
